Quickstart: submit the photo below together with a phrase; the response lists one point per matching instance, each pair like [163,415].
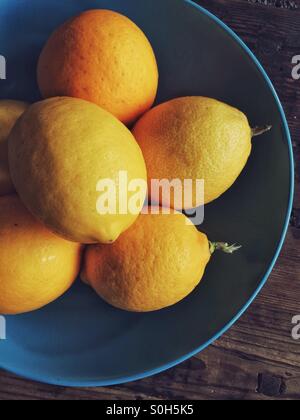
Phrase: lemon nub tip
[224,247]
[258,131]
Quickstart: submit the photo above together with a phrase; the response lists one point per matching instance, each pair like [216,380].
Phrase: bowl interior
[79,340]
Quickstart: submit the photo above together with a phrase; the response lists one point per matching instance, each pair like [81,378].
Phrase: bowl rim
[117,381]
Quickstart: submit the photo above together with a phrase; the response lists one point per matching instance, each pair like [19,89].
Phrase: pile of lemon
[99,77]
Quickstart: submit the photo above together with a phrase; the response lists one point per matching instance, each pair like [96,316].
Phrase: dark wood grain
[284,4]
[257,359]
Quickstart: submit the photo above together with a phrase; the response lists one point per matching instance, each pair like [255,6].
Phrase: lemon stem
[257,131]
[224,247]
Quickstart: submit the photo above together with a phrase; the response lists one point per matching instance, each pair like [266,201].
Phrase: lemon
[195,138]
[155,264]
[36,266]
[103,57]
[59,152]
[10,111]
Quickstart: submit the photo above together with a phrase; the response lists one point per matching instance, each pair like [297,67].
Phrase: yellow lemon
[60,151]
[10,111]
[36,266]
[195,138]
[155,264]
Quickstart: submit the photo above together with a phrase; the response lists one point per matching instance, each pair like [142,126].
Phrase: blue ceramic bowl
[81,341]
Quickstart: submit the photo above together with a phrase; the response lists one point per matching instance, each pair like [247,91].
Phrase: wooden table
[257,358]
